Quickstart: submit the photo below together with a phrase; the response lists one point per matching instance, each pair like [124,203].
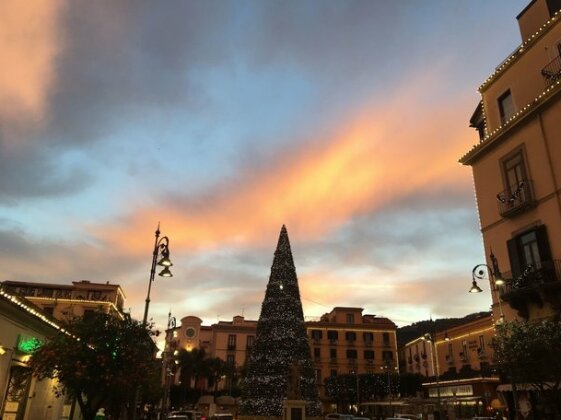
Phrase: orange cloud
[29,42]
[381,154]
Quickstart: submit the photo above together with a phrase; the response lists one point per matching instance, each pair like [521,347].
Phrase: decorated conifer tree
[280,360]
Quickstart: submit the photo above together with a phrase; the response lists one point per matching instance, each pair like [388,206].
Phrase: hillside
[417,329]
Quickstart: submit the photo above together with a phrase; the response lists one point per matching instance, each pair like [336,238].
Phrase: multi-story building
[22,396]
[517,167]
[459,362]
[66,301]
[342,341]
[346,341]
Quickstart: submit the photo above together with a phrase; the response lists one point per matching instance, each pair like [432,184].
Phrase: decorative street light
[494,274]
[161,248]
[388,367]
[435,367]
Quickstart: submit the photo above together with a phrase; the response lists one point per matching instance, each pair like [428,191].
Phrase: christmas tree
[280,365]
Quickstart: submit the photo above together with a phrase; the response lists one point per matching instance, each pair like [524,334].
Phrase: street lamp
[355,372]
[435,367]
[388,365]
[161,248]
[494,274]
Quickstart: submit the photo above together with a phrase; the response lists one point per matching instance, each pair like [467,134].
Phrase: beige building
[22,396]
[459,362]
[346,341]
[66,301]
[517,167]
[341,341]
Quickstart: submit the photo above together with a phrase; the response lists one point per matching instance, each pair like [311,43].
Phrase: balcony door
[530,252]
[514,173]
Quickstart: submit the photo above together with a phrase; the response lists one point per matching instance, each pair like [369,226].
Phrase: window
[350,318]
[450,350]
[368,337]
[231,342]
[316,334]
[514,172]
[332,335]
[506,106]
[529,252]
[317,352]
[333,353]
[387,355]
[369,354]
[464,353]
[386,339]
[250,341]
[352,354]
[481,344]
[350,336]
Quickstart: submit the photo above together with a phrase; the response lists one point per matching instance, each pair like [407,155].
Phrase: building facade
[345,341]
[341,341]
[64,302]
[459,362]
[517,167]
[22,327]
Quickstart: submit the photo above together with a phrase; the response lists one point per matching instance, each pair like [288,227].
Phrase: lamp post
[497,278]
[435,367]
[387,367]
[493,274]
[357,392]
[161,248]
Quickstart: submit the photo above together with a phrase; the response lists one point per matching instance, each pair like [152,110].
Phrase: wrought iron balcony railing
[547,272]
[512,202]
[552,72]
[536,284]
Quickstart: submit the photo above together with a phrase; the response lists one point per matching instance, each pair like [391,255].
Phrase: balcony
[231,347]
[512,202]
[552,72]
[534,285]
[368,343]
[481,354]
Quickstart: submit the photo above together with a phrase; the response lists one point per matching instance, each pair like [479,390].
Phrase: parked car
[184,415]
[222,416]
[338,416]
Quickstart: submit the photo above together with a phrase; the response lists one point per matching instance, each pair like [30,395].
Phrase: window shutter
[514,258]
[543,243]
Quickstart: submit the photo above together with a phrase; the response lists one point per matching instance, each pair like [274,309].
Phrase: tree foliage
[529,353]
[371,387]
[196,368]
[101,363]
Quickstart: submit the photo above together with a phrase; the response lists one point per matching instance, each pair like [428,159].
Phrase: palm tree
[217,370]
[193,367]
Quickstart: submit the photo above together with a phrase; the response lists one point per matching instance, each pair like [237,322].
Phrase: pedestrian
[100,415]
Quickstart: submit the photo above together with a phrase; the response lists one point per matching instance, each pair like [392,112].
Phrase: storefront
[23,327]
[465,398]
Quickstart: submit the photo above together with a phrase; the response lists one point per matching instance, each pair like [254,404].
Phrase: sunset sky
[224,120]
